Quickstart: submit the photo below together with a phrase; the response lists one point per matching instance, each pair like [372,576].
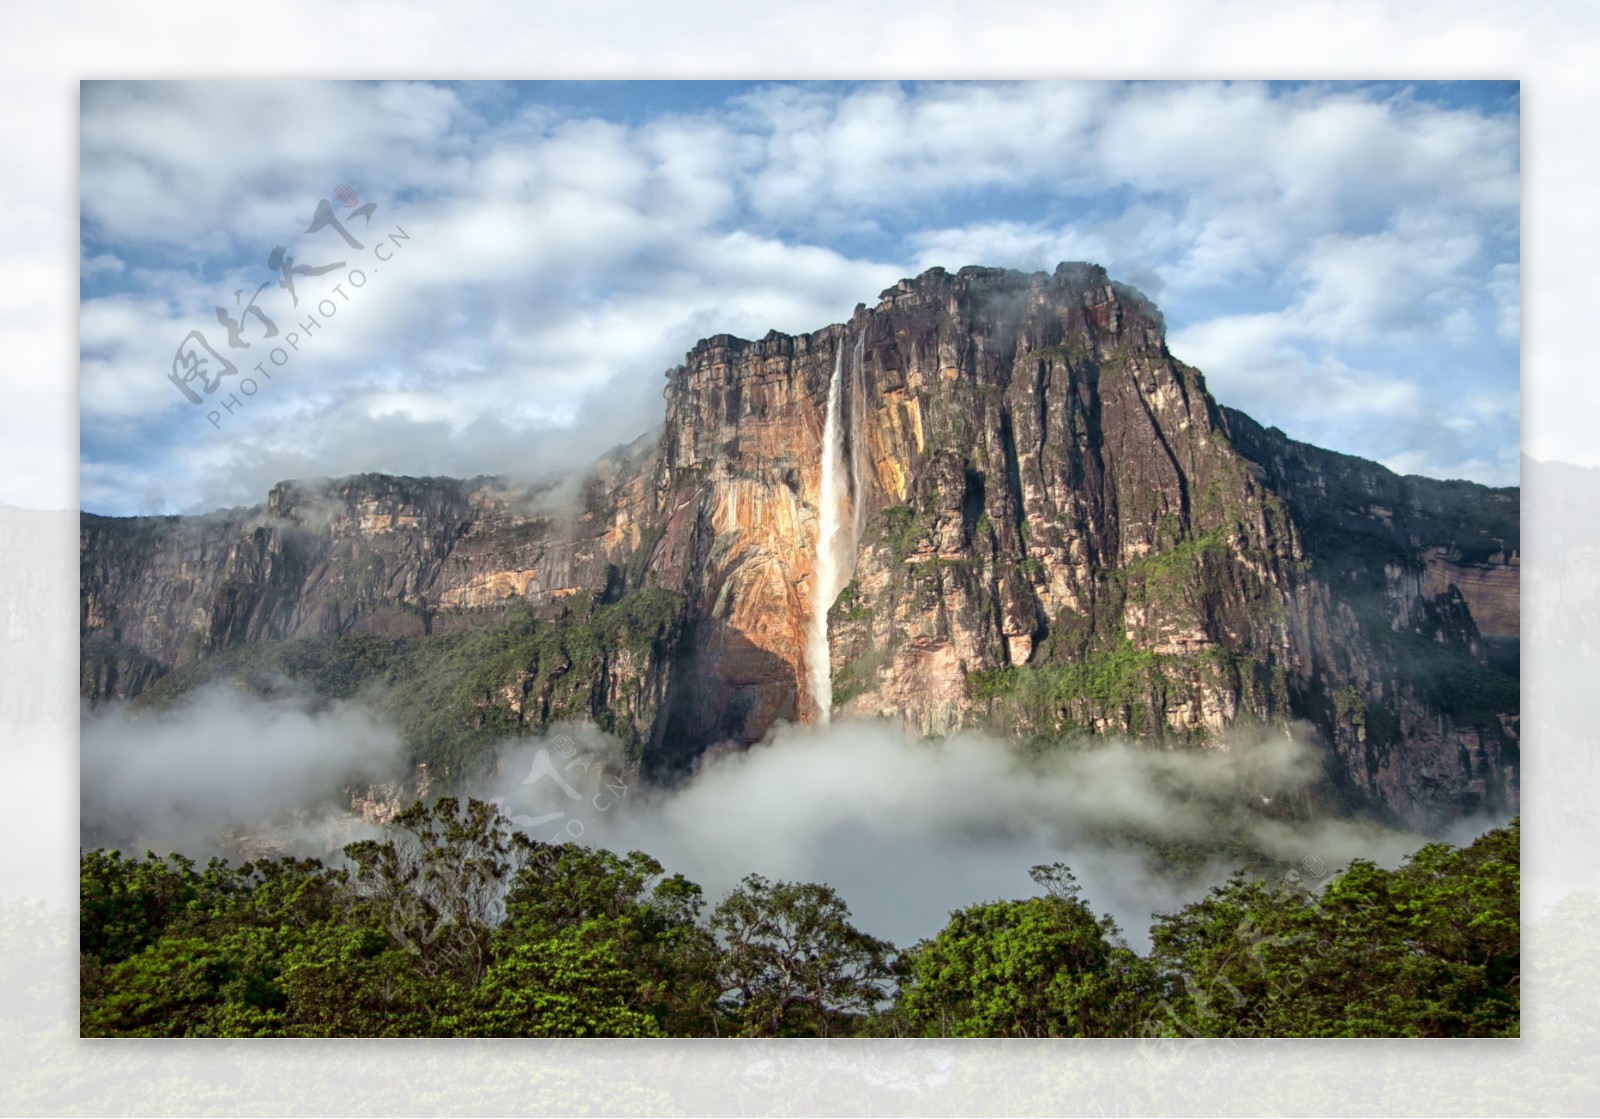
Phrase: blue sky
[1339,259]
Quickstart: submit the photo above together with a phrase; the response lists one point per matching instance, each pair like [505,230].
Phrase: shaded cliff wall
[371,554]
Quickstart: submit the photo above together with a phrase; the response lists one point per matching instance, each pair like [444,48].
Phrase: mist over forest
[906,829]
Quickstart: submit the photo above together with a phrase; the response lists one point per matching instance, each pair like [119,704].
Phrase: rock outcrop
[1058,531]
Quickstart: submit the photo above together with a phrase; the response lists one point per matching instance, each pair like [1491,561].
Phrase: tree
[1429,950]
[652,919]
[1218,959]
[440,883]
[192,986]
[191,954]
[349,979]
[459,926]
[576,983]
[125,904]
[793,964]
[1040,967]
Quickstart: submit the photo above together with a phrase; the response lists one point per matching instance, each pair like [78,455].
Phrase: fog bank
[909,829]
[226,762]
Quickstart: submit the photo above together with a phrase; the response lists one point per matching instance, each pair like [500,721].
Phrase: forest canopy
[454,923]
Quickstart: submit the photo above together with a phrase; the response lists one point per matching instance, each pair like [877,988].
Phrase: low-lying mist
[906,829]
[183,779]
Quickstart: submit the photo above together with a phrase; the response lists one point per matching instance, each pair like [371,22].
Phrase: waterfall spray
[838,528]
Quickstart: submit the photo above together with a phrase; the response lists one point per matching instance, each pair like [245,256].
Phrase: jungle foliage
[456,924]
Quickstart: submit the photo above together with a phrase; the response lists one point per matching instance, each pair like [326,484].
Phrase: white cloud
[173,780]
[884,146]
[1505,284]
[191,166]
[100,265]
[1401,279]
[1031,246]
[909,829]
[1252,361]
[556,258]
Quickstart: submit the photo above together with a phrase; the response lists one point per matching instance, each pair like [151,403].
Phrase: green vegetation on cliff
[1097,670]
[1126,689]
[1451,681]
[453,694]
[1105,680]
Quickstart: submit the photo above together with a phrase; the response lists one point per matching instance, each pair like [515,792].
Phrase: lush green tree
[792,962]
[1429,950]
[1040,967]
[1212,953]
[576,983]
[193,986]
[214,943]
[1439,941]
[126,903]
[457,925]
[348,979]
[286,893]
[629,901]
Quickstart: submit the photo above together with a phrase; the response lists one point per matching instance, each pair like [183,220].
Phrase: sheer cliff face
[1062,532]
[1049,527]
[365,555]
[1013,438]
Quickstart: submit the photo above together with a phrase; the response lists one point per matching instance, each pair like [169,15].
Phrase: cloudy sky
[518,264]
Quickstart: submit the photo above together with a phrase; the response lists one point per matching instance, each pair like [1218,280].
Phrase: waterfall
[838,529]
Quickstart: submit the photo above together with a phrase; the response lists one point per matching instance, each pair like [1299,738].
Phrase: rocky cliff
[1034,519]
